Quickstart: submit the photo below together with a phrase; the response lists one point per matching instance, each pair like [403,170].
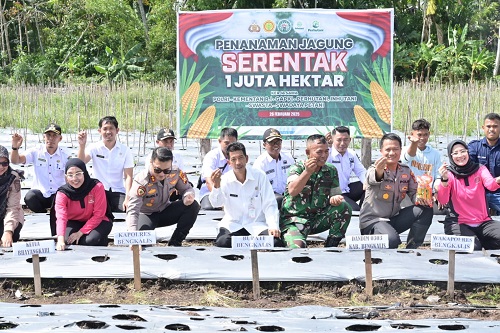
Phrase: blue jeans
[493,200]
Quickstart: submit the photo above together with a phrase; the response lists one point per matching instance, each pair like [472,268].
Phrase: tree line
[82,41]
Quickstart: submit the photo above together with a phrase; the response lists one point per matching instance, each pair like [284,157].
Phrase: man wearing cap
[112,162]
[347,162]
[166,138]
[215,159]
[274,162]
[149,206]
[49,161]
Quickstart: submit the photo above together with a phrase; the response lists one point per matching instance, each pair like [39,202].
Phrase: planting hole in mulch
[233,257]
[130,327]
[269,328]
[30,260]
[375,261]
[200,249]
[177,327]
[196,318]
[438,261]
[452,327]
[362,328]
[166,257]
[404,326]
[31,306]
[100,258]
[90,325]
[335,251]
[406,251]
[242,322]
[128,317]
[301,260]
[109,306]
[8,325]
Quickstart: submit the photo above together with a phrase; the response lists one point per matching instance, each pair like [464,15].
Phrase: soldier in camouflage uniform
[313,201]
[149,204]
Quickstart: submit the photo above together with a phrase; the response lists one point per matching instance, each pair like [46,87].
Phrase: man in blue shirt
[487,152]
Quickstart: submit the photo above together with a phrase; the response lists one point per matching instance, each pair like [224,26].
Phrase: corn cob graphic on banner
[381,101]
[367,125]
[190,99]
[202,125]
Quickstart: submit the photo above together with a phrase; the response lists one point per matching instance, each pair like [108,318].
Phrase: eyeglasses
[74,175]
[275,142]
[460,152]
[159,170]
[4,164]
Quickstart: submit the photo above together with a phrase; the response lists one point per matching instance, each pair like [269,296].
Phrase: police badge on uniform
[141,191]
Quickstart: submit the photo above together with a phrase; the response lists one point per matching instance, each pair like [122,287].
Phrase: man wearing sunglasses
[149,205]
[274,163]
[49,161]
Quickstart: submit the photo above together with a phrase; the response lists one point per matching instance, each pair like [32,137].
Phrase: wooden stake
[137,267]
[255,274]
[368,272]
[451,274]
[36,274]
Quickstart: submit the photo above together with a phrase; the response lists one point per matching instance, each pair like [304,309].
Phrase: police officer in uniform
[149,203]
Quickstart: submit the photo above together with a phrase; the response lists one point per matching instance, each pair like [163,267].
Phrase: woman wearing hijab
[81,211]
[11,212]
[462,186]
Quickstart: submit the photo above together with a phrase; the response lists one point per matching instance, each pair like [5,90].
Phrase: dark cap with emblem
[165,133]
[53,128]
[271,134]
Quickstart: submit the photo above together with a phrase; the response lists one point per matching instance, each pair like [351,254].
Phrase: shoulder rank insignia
[183,176]
[141,191]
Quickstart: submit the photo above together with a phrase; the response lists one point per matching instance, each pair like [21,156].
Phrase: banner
[300,71]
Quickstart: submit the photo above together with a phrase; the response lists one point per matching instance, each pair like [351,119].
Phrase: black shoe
[174,242]
[333,241]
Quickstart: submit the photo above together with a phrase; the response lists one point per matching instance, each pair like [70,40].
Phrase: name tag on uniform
[100,156]
[233,195]
[269,171]
[42,159]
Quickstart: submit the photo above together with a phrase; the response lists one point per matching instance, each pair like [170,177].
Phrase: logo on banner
[299,26]
[284,26]
[254,27]
[315,27]
[269,26]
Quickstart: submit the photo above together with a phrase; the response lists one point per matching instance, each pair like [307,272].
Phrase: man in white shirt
[166,138]
[213,160]
[112,162]
[274,162]
[346,161]
[49,161]
[248,199]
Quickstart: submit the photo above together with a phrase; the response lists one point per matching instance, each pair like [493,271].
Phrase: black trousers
[486,235]
[416,218]
[224,237]
[175,213]
[115,200]
[97,237]
[356,193]
[37,203]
